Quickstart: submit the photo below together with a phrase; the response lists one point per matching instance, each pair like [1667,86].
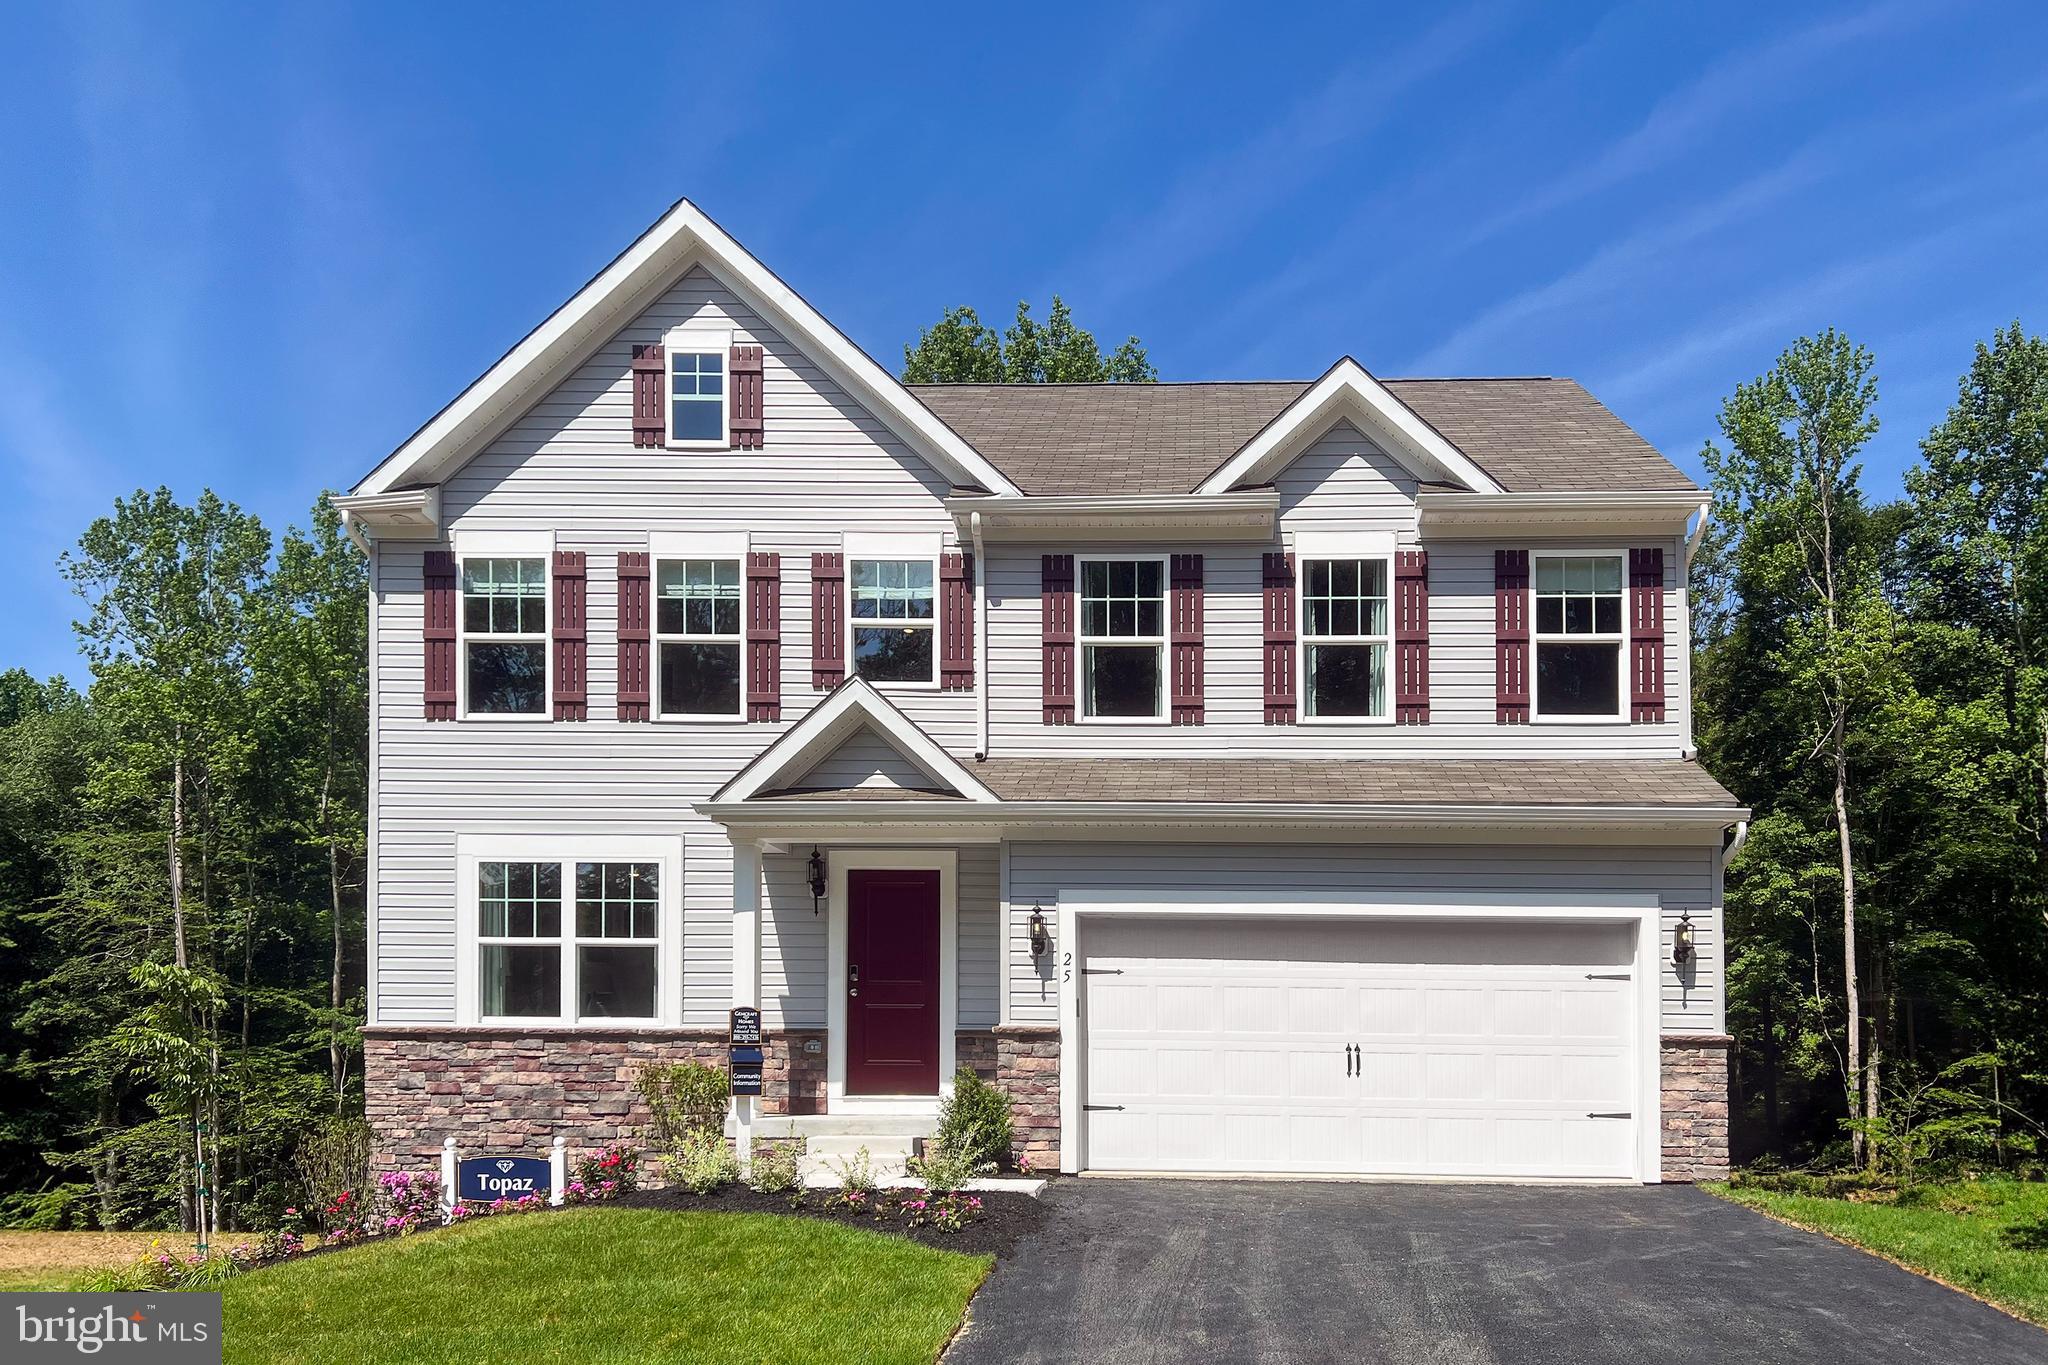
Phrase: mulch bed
[1006,1218]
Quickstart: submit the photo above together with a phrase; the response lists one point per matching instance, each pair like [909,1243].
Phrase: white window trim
[894,548]
[1620,639]
[696,341]
[664,851]
[506,545]
[669,548]
[1319,548]
[1082,641]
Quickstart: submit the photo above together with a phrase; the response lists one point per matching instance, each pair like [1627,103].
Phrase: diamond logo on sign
[487,1178]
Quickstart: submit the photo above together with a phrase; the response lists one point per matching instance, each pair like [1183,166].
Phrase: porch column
[746,971]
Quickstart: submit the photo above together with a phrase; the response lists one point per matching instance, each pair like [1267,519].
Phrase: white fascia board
[411,512]
[683,237]
[1246,516]
[1349,390]
[728,809]
[827,726]
[1654,513]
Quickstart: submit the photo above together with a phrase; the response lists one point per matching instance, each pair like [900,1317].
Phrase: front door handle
[853,978]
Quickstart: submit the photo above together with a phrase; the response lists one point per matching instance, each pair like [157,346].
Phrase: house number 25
[1067,965]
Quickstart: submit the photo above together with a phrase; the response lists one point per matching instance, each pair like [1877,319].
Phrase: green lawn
[608,1285]
[1988,1237]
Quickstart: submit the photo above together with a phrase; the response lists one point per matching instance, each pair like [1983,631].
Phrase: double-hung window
[1578,637]
[1344,638]
[696,397]
[698,639]
[563,936]
[504,635]
[893,604]
[1123,638]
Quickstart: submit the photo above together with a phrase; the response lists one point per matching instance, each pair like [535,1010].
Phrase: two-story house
[1249,777]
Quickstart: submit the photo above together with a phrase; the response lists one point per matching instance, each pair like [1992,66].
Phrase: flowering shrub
[778,1168]
[347,1219]
[409,1201]
[941,1212]
[159,1268]
[703,1162]
[525,1203]
[947,1166]
[618,1166]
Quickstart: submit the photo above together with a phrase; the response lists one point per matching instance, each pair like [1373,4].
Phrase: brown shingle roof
[1532,435]
[1635,782]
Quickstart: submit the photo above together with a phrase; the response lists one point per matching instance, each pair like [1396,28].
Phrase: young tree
[960,349]
[1797,540]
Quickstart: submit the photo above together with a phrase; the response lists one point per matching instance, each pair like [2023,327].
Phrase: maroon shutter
[650,376]
[571,648]
[828,621]
[1646,635]
[1279,614]
[743,377]
[438,606]
[1184,637]
[1056,604]
[956,623]
[764,637]
[1511,637]
[633,637]
[1411,637]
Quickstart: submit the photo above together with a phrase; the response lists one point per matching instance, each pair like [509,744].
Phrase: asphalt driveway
[1179,1271]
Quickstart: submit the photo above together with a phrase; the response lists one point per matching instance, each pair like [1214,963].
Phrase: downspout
[355,533]
[1735,842]
[980,636]
[1690,749]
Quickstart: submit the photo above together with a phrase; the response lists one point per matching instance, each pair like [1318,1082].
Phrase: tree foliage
[1869,679]
[960,349]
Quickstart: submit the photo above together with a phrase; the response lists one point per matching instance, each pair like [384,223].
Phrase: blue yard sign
[484,1178]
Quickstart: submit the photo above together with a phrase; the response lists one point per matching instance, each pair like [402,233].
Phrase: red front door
[892,982]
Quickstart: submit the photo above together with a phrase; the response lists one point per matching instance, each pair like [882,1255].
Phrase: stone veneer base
[1695,1074]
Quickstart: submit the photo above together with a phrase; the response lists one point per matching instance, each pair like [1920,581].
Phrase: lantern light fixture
[1681,941]
[1040,939]
[817,869]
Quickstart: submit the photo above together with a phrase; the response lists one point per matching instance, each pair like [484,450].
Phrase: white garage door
[1434,1049]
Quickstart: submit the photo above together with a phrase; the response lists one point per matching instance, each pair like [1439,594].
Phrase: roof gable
[1348,392]
[683,238]
[853,709]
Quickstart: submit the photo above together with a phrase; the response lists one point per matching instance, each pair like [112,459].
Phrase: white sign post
[558,1169]
[448,1175]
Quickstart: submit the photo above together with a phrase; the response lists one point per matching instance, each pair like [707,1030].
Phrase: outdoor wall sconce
[817,878]
[1040,940]
[1681,941]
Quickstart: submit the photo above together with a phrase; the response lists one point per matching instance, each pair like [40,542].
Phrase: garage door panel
[1261,1063]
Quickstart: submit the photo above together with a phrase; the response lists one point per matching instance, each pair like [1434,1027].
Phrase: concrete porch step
[880,1146]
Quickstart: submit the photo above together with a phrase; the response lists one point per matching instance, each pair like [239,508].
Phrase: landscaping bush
[777,1167]
[683,1098]
[614,1170]
[975,1120]
[333,1158]
[704,1162]
[946,1169]
[856,1179]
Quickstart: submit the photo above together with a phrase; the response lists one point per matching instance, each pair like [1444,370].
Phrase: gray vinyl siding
[1683,878]
[865,760]
[569,467]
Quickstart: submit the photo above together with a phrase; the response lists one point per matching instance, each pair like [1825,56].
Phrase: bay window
[1344,638]
[698,638]
[893,603]
[1578,636]
[504,631]
[1123,638]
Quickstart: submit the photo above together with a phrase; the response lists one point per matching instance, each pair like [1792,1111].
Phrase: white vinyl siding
[1681,878]
[865,760]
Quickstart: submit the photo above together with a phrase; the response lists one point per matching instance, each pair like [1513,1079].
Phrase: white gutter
[356,533]
[1699,532]
[792,809]
[980,635]
[1245,516]
[1735,844]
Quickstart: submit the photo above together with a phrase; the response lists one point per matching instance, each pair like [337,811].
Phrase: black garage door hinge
[1102,971]
[1609,976]
[1610,1116]
[1093,1108]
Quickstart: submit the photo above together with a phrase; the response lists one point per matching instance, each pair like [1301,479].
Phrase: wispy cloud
[1219,200]
[1688,116]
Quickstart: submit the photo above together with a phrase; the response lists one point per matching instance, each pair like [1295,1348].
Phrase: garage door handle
[1351,1067]
[1610,1116]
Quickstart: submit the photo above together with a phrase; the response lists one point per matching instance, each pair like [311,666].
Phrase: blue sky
[253,248]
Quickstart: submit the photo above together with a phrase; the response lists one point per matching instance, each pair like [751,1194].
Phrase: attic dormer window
[697,388]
